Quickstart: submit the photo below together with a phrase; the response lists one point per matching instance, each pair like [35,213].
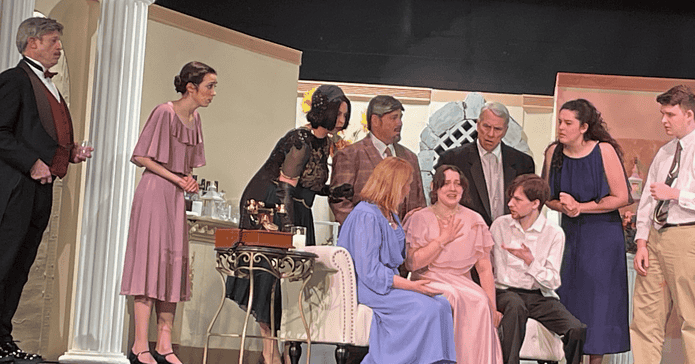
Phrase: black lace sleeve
[295,160]
[299,154]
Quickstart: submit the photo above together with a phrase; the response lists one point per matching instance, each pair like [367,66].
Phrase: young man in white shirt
[526,257]
[666,235]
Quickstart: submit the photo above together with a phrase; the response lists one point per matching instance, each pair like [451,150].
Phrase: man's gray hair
[35,28]
[498,109]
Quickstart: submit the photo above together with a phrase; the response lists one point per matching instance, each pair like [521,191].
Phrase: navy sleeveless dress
[594,269]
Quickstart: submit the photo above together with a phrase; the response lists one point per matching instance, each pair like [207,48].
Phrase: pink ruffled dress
[156,259]
[474,333]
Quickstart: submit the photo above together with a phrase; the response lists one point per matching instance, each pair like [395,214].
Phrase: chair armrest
[329,301]
[541,343]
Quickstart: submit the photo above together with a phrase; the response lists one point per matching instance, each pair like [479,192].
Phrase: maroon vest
[63,129]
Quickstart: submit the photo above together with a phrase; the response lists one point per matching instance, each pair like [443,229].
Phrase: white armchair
[335,317]
[330,304]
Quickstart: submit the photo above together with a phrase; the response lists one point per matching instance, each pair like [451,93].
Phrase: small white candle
[299,241]
[197,208]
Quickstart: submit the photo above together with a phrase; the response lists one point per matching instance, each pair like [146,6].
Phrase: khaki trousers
[670,281]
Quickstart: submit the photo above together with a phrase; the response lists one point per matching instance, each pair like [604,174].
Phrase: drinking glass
[85,147]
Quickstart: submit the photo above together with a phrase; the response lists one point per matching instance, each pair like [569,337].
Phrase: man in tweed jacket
[355,163]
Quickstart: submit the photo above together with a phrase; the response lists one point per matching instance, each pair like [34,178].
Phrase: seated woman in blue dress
[412,322]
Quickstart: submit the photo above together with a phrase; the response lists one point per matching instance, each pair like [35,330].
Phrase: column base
[88,357]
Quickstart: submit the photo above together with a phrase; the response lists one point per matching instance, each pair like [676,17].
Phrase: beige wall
[254,105]
[253,108]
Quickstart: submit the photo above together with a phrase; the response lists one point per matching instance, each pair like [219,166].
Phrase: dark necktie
[661,211]
[388,152]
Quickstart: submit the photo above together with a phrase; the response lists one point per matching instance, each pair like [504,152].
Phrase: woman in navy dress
[588,184]
[412,322]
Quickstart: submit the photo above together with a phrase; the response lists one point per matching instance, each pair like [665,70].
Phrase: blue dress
[594,270]
[407,327]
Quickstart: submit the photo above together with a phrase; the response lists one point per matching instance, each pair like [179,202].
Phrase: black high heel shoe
[133,358]
[161,358]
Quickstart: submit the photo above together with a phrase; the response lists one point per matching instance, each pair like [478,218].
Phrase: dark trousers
[22,225]
[517,305]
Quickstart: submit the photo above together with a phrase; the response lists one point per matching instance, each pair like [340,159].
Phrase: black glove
[284,193]
[335,194]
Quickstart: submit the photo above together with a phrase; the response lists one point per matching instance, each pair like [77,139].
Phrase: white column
[12,13]
[97,318]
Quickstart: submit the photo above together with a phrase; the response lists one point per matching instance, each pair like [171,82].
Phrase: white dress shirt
[46,81]
[545,240]
[494,178]
[381,147]
[680,211]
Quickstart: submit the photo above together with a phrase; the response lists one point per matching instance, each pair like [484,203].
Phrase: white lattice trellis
[463,132]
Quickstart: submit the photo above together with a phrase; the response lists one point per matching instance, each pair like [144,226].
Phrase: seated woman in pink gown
[444,241]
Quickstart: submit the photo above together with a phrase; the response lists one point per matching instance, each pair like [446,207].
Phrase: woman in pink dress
[444,241]
[156,271]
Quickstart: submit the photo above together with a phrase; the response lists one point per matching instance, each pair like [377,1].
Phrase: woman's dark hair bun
[178,86]
[192,72]
[319,106]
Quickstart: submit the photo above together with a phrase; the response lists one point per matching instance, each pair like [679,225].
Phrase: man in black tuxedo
[36,146]
[489,165]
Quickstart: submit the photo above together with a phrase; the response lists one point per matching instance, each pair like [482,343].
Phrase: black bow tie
[46,73]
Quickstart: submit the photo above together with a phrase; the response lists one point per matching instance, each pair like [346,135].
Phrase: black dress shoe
[161,358]
[18,355]
[133,358]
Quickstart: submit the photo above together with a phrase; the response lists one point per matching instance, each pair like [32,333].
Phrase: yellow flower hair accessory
[306,100]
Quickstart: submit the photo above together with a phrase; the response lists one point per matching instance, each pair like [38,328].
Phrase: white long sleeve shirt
[682,210]
[546,241]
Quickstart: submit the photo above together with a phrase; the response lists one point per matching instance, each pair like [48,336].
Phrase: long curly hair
[597,130]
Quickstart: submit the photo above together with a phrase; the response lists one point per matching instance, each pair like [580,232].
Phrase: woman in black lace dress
[295,172]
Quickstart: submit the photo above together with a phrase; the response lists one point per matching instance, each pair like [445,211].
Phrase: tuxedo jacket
[467,158]
[355,163]
[27,131]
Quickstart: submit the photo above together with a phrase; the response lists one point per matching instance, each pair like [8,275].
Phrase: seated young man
[526,259]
